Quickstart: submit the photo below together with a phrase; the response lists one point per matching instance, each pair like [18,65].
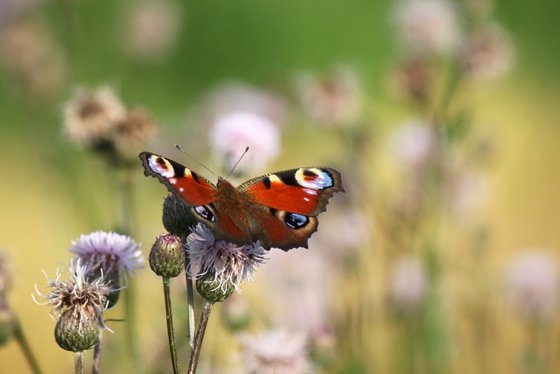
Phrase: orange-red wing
[193,188]
[303,191]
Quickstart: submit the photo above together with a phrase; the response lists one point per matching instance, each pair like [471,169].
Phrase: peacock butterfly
[278,209]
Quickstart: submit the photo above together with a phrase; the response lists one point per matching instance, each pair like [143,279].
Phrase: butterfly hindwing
[193,188]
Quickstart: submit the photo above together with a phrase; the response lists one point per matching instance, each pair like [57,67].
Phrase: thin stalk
[97,354]
[195,353]
[170,330]
[190,301]
[79,362]
[26,348]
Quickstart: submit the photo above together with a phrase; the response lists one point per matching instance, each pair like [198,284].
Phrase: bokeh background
[441,257]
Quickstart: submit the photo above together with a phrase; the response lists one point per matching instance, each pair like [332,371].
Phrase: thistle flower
[110,255]
[90,118]
[79,303]
[150,28]
[233,132]
[408,283]
[533,283]
[414,79]
[334,99]
[427,26]
[177,217]
[220,262]
[487,53]
[135,130]
[276,352]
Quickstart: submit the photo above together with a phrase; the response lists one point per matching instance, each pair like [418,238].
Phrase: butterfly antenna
[237,163]
[194,159]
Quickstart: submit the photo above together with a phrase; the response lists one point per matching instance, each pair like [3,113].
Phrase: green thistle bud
[214,290]
[77,330]
[177,217]
[6,322]
[167,257]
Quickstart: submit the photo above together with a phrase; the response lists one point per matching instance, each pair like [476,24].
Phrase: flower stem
[170,330]
[79,362]
[26,348]
[190,301]
[195,353]
[97,354]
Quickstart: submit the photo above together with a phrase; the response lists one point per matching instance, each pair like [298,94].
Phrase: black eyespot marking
[289,179]
[295,221]
[267,183]
[205,213]
[195,176]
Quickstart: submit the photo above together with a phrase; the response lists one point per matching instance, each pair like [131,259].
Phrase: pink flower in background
[150,28]
[533,283]
[408,283]
[232,132]
[276,352]
[488,52]
[414,144]
[427,26]
[335,98]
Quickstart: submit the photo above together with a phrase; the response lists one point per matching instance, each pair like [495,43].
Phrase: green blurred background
[52,192]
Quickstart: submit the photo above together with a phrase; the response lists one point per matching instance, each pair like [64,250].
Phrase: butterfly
[278,209]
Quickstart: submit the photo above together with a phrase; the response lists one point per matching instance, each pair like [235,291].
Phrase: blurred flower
[468,190]
[30,54]
[109,251]
[91,117]
[227,264]
[414,79]
[488,52]
[408,283]
[10,10]
[150,28]
[135,130]
[533,283]
[276,352]
[234,97]
[334,99]
[5,274]
[343,233]
[414,144]
[233,132]
[428,26]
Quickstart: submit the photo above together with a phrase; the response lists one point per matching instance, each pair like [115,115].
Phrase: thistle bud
[77,331]
[167,257]
[214,290]
[177,217]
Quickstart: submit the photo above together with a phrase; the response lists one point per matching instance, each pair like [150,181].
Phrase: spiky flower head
[109,255]
[219,262]
[276,351]
[79,303]
[167,257]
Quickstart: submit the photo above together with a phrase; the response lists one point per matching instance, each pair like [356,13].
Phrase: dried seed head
[167,257]
[135,130]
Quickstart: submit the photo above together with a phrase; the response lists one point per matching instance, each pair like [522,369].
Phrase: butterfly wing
[289,202]
[193,188]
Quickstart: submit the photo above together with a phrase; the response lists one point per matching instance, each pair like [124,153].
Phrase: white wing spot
[318,181]
[165,170]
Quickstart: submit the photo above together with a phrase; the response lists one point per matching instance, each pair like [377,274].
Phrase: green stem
[26,348]
[190,301]
[79,362]
[97,354]
[170,330]
[195,353]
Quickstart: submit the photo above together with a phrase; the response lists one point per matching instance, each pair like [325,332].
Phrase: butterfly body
[277,209]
